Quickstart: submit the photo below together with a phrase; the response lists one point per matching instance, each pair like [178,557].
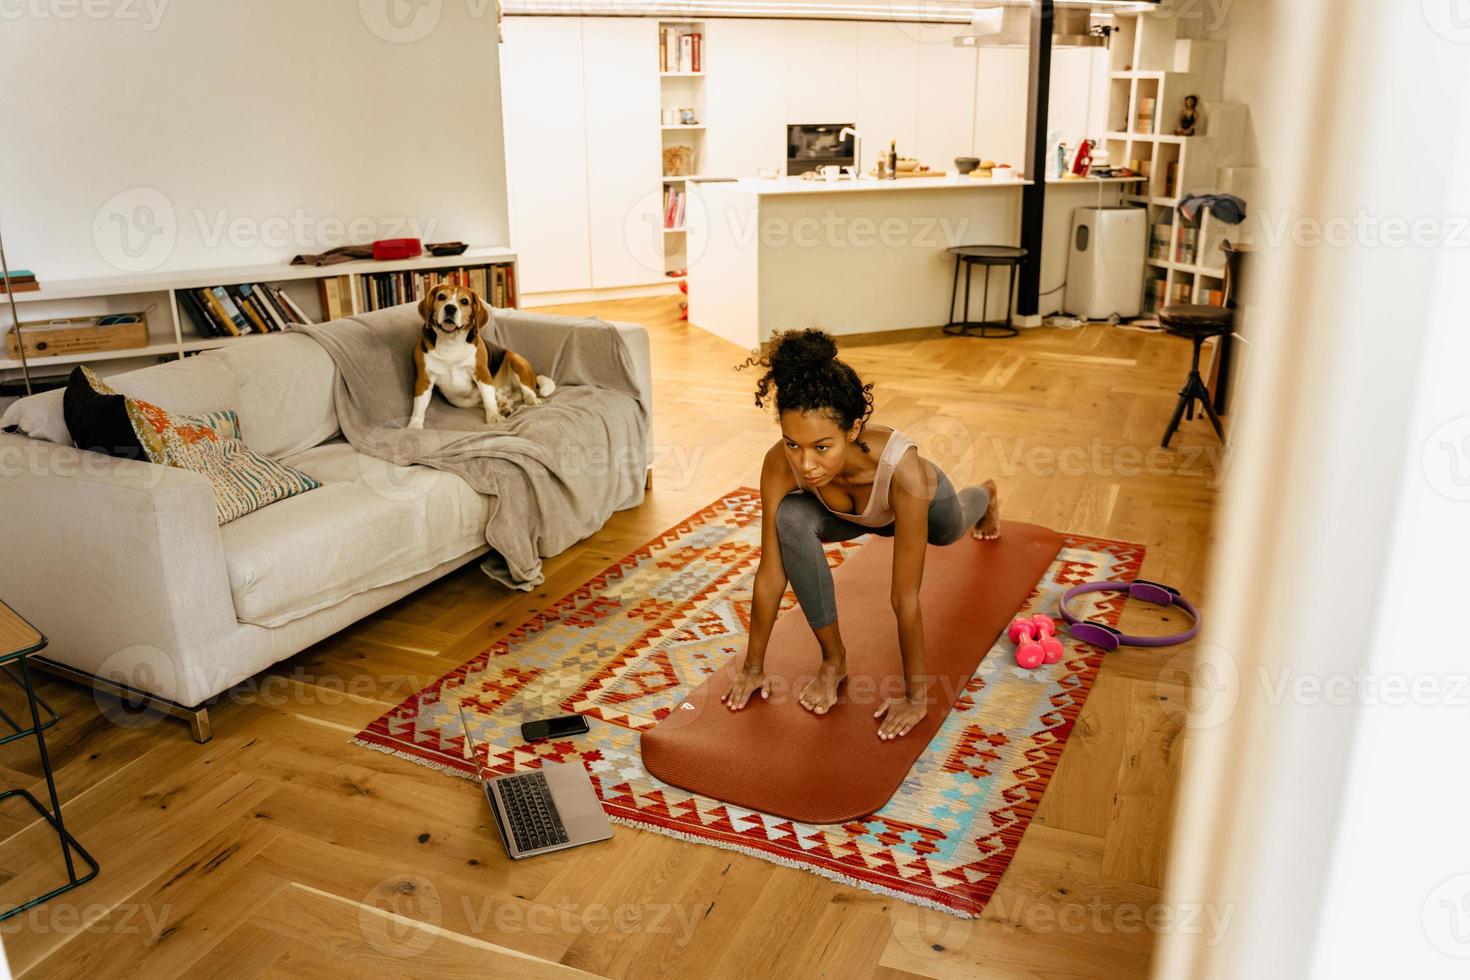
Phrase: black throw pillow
[98,420]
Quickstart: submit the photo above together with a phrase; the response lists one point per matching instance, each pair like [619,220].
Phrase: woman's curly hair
[803,368]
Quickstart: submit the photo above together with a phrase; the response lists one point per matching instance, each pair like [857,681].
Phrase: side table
[18,640]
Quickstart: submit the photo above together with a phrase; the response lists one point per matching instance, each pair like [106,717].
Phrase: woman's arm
[909,494]
[770,579]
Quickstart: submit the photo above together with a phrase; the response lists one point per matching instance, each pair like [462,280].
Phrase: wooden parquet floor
[279,849]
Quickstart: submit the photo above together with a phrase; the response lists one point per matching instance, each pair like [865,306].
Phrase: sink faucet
[857,149]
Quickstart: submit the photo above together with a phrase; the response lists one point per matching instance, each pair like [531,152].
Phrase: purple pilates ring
[1108,638]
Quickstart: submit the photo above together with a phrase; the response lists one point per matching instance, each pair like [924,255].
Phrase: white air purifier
[1105,267]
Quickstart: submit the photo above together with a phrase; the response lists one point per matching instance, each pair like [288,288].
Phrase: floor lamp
[25,368]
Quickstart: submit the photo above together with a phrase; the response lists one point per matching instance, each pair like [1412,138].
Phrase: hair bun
[801,352]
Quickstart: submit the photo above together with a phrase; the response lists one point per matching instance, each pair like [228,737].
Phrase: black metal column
[1033,198]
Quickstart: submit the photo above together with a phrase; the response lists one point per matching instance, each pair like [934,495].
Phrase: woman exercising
[832,476]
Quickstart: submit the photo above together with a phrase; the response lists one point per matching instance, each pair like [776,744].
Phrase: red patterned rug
[623,648]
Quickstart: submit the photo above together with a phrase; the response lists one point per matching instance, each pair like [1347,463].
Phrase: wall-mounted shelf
[172,331]
[679,90]
[1152,66]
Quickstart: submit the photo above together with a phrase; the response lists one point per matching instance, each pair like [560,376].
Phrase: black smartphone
[566,725]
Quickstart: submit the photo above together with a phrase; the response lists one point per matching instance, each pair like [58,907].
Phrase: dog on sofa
[454,357]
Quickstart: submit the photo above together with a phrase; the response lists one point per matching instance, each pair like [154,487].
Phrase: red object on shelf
[389,249]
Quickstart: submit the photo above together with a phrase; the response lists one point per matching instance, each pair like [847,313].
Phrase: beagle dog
[453,356]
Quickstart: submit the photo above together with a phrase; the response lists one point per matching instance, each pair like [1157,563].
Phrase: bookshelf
[172,330]
[1151,70]
[681,86]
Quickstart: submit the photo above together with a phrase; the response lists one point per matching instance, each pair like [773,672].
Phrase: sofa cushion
[279,385]
[243,480]
[371,524]
[38,416]
[286,384]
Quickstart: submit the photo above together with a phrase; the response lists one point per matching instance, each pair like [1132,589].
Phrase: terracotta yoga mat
[779,758]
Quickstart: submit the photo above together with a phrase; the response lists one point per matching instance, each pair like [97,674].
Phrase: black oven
[812,146]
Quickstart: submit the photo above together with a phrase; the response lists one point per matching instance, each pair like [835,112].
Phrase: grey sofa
[122,564]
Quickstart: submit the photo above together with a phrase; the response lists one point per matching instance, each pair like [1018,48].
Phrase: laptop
[543,810]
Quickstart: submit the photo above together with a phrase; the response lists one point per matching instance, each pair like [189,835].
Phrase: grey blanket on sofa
[556,471]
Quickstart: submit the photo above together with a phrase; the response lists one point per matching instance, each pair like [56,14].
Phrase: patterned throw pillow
[104,421]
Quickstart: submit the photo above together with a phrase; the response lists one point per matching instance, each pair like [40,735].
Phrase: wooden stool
[987,256]
[1198,323]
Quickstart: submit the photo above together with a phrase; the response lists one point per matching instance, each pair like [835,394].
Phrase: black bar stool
[1198,322]
[987,256]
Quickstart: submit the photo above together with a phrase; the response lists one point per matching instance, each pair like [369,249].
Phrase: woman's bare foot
[820,693]
[989,527]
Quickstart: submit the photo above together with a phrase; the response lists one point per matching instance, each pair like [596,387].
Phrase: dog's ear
[479,316]
[426,305]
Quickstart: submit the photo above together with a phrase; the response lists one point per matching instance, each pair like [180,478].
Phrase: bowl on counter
[906,164]
[965,164]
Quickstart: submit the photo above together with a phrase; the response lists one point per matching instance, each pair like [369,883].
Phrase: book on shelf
[1146,115]
[495,284]
[674,198]
[1186,244]
[1153,295]
[261,307]
[335,293]
[19,281]
[1159,239]
[680,51]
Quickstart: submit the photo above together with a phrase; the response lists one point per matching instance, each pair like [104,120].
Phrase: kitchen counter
[846,185]
[859,256]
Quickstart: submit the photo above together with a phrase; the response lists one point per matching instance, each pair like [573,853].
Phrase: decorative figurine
[1189,118]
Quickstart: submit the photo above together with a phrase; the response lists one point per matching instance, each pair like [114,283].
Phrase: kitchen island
[857,256]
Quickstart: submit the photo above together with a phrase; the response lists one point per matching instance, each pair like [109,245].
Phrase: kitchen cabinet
[546,152]
[624,149]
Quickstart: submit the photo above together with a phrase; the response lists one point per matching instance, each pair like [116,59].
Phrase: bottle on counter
[893,159]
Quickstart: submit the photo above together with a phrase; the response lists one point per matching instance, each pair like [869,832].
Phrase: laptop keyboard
[530,812]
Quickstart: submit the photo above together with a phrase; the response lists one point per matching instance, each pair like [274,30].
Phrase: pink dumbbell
[1035,640]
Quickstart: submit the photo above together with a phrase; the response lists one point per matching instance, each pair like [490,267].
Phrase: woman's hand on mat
[902,715]
[744,686]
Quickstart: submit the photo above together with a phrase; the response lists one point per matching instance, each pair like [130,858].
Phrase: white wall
[582,102]
[254,130]
[896,81]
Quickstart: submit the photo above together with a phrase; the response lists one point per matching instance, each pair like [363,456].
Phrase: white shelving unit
[171,332]
[1149,62]
[678,90]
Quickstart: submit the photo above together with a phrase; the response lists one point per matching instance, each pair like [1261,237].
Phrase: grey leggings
[804,524]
